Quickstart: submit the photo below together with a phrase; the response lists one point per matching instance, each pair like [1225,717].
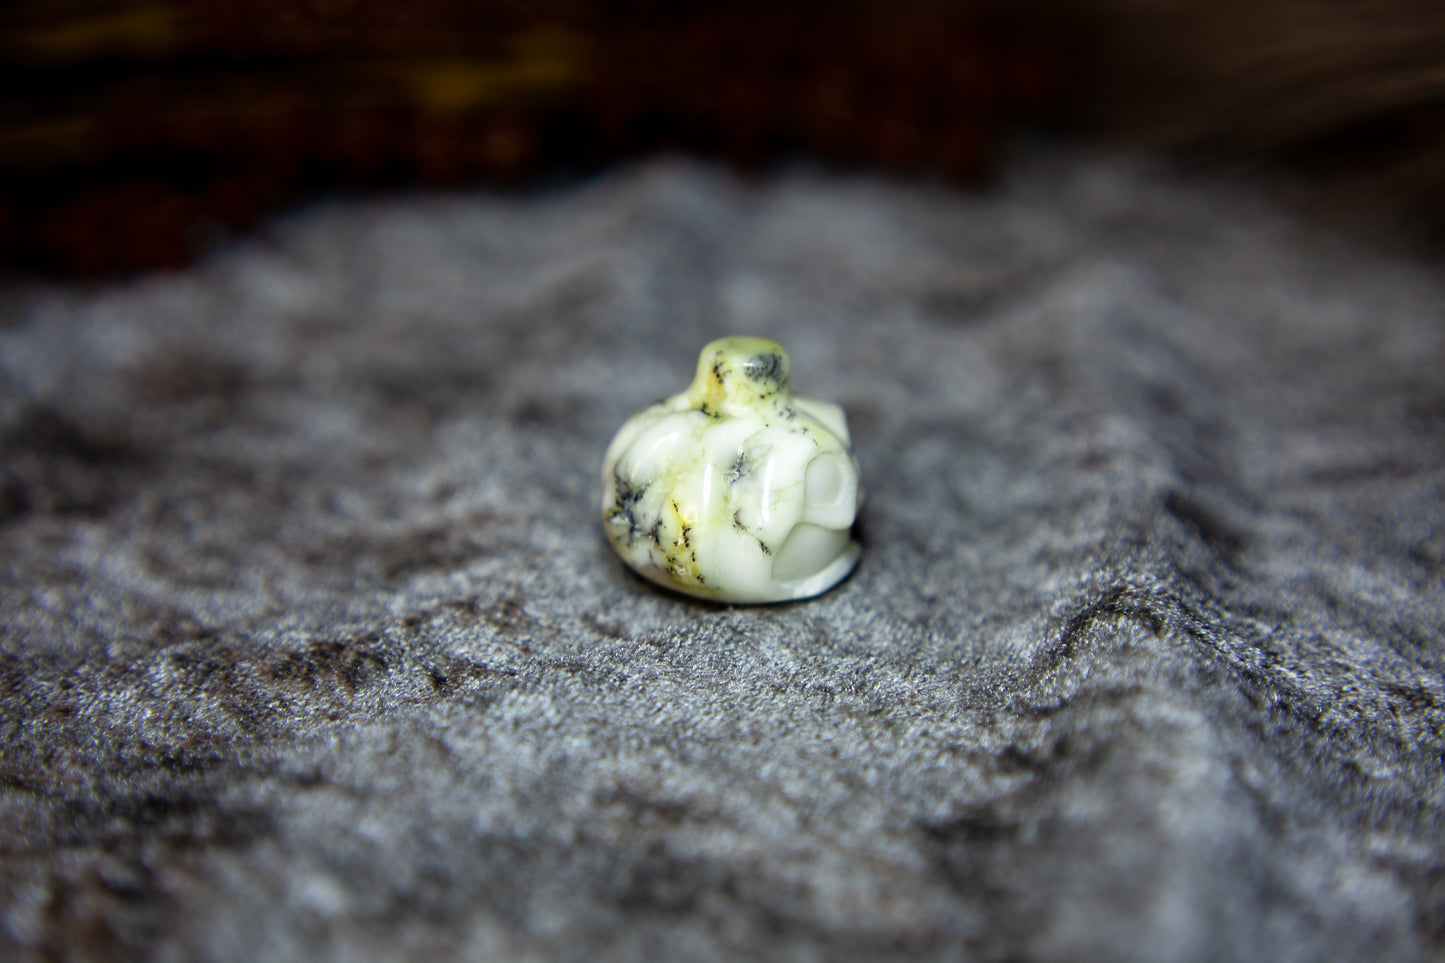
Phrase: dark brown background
[139,134]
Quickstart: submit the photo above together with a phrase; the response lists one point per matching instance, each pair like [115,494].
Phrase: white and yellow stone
[735,490]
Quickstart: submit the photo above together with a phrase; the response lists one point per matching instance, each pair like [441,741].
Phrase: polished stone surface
[735,490]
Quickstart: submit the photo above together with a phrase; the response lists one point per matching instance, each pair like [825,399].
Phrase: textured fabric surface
[313,648]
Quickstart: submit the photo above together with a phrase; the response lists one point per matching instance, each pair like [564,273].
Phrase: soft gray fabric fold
[313,648]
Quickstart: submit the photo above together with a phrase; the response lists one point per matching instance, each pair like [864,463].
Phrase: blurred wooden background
[135,134]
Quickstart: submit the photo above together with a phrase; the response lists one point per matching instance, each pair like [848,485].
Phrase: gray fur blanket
[313,648]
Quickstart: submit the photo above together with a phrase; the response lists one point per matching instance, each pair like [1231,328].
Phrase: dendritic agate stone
[735,490]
